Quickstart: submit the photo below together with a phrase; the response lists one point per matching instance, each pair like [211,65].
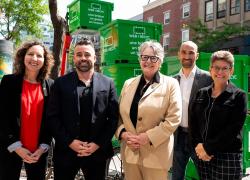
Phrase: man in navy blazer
[83,116]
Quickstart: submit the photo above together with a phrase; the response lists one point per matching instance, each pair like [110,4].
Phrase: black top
[217,122]
[141,89]
[86,103]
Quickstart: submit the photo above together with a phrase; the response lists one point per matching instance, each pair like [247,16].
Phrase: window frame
[221,13]
[206,15]
[247,4]
[185,6]
[166,36]
[150,19]
[167,12]
[234,8]
[182,34]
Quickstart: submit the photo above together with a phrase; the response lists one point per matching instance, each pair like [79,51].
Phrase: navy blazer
[10,108]
[64,115]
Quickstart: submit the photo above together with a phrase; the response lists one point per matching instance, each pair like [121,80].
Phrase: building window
[221,8]
[151,19]
[247,5]
[166,41]
[186,10]
[185,35]
[209,10]
[167,17]
[234,7]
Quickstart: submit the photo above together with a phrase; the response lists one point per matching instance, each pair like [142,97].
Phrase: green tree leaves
[207,39]
[17,16]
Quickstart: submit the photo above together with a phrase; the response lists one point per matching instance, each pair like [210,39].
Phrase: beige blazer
[159,114]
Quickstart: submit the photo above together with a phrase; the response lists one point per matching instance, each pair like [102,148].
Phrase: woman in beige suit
[150,111]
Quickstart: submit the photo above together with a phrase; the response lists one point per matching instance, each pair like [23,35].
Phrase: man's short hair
[84,41]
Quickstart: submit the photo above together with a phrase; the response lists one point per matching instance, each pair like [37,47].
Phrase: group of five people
[158,118]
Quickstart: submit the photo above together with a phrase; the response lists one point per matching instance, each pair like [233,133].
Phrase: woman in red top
[23,101]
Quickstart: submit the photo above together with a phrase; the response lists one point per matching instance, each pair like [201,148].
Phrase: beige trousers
[138,172]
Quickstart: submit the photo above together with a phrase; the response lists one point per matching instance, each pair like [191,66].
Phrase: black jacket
[64,116]
[201,79]
[217,123]
[10,108]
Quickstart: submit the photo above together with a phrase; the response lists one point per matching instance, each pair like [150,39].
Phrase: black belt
[183,129]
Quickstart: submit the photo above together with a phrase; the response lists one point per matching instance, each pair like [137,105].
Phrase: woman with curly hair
[23,104]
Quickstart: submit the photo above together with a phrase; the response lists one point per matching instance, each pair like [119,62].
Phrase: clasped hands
[83,148]
[29,157]
[201,153]
[134,141]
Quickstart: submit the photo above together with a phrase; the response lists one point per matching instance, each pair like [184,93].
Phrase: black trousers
[11,165]
[67,164]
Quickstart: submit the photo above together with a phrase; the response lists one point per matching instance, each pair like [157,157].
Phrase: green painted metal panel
[120,40]
[170,66]
[246,145]
[89,14]
[120,73]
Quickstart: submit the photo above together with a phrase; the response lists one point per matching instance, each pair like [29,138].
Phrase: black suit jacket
[64,113]
[201,79]
[10,108]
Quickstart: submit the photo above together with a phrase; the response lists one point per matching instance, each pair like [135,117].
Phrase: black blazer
[10,108]
[64,114]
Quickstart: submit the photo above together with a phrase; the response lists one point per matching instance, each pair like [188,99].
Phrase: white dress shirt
[186,84]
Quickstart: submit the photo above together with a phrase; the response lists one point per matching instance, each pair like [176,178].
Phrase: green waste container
[246,146]
[89,14]
[170,66]
[120,73]
[120,40]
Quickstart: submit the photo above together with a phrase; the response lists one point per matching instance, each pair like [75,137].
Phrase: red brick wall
[176,20]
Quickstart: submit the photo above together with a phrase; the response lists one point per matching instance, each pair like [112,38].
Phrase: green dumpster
[89,14]
[246,146]
[120,40]
[120,73]
[170,66]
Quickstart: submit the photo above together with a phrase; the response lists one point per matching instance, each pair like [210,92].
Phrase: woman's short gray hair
[156,46]
[224,56]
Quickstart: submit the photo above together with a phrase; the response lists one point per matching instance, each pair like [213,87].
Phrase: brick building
[215,13]
[176,15]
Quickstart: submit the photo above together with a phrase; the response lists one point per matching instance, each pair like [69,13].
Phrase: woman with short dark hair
[217,118]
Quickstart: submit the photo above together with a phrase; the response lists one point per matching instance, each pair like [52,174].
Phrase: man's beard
[187,64]
[84,66]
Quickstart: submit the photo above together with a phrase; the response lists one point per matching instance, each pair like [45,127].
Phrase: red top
[31,114]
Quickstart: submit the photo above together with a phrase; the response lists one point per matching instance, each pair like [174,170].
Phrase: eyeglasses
[223,69]
[153,59]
